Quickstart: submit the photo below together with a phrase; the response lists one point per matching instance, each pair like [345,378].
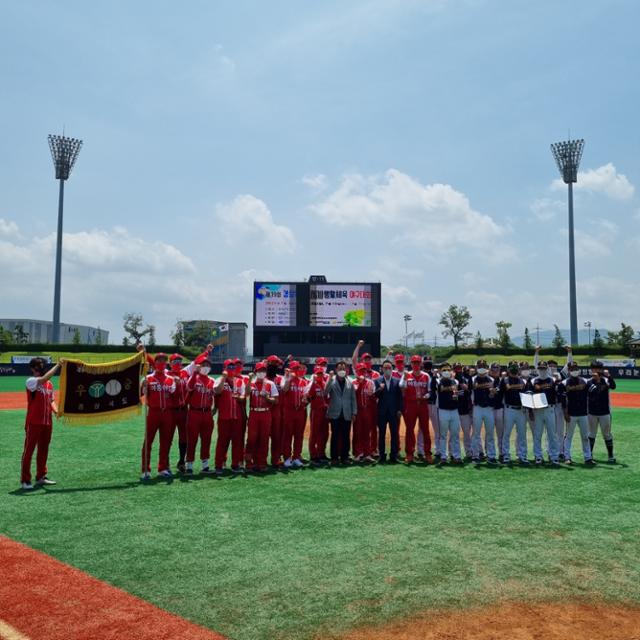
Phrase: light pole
[588,325]
[64,152]
[567,156]
[407,319]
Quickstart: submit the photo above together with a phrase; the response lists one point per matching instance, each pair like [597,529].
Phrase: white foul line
[7,632]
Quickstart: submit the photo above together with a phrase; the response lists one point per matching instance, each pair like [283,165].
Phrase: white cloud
[598,242]
[317,182]
[605,180]
[8,228]
[434,216]
[545,209]
[248,219]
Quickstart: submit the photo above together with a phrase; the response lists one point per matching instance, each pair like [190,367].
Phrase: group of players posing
[270,405]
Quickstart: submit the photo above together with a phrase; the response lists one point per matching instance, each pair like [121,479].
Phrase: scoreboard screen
[340,305]
[275,304]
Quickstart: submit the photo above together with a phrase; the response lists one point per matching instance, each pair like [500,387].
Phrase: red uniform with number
[277,422]
[319,435]
[199,416]
[231,413]
[178,401]
[38,428]
[160,388]
[416,409]
[260,413]
[363,443]
[294,412]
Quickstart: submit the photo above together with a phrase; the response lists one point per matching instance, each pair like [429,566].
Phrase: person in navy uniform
[390,407]
[465,407]
[598,387]
[484,388]
[511,386]
[577,394]
[545,419]
[448,417]
[427,366]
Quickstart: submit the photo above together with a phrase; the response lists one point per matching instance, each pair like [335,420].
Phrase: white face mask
[261,375]
[525,373]
[574,374]
[553,370]
[482,371]
[446,374]
[386,373]
[342,373]
[543,373]
[205,370]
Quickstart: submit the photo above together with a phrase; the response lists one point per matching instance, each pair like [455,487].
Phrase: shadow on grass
[51,491]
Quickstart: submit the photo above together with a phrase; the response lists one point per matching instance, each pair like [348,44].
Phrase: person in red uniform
[294,410]
[200,414]
[415,386]
[230,400]
[319,432]
[178,402]
[158,387]
[372,415]
[366,359]
[263,396]
[38,425]
[363,447]
[399,368]
[274,365]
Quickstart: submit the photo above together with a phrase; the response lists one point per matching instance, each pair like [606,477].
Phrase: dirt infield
[626,400]
[43,599]
[515,621]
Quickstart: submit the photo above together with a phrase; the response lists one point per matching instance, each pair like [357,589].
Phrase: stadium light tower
[567,156]
[64,152]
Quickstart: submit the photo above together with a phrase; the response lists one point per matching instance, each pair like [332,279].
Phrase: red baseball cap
[227,363]
[365,356]
[175,356]
[160,356]
[261,366]
[294,364]
[273,359]
[237,361]
[399,357]
[416,359]
[321,360]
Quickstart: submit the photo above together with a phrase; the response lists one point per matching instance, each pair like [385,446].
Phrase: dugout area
[358,553]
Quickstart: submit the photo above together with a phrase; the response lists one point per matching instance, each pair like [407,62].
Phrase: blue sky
[400,141]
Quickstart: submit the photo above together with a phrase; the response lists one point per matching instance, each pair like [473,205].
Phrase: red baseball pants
[295,420]
[277,435]
[418,412]
[319,435]
[163,421]
[36,435]
[199,425]
[257,447]
[230,431]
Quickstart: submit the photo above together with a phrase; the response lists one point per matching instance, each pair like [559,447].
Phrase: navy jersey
[546,386]
[577,395]
[482,388]
[447,390]
[433,391]
[464,394]
[598,395]
[511,387]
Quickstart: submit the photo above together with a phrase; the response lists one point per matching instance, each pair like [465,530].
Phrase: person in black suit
[390,407]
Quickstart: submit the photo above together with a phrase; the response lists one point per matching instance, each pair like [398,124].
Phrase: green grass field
[321,551]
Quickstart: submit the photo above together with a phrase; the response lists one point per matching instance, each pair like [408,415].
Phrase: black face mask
[272,370]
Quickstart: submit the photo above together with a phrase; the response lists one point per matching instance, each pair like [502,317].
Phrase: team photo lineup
[461,413]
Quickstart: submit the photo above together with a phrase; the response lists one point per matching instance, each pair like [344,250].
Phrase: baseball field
[401,551]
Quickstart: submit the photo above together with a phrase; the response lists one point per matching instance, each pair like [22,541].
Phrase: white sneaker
[288,463]
[165,473]
[145,476]
[298,463]
[44,481]
[27,486]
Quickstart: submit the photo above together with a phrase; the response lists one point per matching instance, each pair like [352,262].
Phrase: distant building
[41,331]
[229,339]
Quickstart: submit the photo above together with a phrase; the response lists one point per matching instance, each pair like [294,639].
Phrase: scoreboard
[315,317]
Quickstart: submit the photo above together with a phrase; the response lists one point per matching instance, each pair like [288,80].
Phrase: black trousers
[390,419]
[340,438]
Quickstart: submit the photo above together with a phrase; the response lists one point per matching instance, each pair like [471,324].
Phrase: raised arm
[356,353]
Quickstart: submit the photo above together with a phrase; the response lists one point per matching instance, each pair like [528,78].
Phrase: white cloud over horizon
[604,180]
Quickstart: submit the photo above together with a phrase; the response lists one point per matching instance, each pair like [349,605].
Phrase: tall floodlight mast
[64,152]
[567,156]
